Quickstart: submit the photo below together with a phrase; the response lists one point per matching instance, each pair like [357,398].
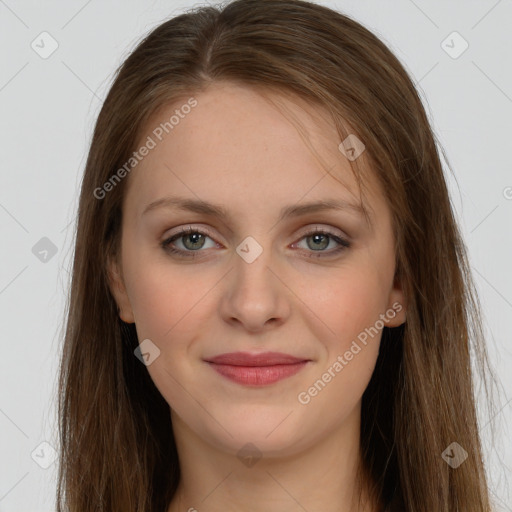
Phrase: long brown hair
[117,447]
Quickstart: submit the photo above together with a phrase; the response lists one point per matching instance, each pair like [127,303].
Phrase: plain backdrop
[48,109]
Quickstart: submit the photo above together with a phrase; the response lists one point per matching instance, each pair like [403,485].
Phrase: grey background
[48,107]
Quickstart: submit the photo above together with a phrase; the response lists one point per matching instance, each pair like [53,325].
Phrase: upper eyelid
[191,228]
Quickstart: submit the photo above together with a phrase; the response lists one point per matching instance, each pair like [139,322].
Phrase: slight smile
[256,369]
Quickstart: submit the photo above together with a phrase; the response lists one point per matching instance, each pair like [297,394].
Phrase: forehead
[244,147]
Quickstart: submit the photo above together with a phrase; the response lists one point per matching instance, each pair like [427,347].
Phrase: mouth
[256,369]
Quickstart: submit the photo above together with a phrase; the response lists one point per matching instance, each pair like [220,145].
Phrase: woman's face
[254,278]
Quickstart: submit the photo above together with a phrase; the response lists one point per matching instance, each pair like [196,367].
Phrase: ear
[118,289]
[396,303]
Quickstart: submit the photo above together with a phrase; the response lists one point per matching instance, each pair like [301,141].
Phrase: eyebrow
[215,210]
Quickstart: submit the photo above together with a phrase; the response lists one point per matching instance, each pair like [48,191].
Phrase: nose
[255,296]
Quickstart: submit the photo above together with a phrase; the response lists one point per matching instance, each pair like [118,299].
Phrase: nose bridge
[254,295]
[252,262]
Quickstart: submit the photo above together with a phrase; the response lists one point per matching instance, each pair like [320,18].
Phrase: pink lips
[256,369]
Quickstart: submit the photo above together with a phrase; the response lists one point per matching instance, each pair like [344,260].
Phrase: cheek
[155,303]
[166,298]
[169,309]
[351,303]
[351,308]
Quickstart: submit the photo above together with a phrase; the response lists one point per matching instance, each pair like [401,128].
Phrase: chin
[271,433]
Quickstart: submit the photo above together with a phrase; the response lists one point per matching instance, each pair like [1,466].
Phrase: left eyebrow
[215,210]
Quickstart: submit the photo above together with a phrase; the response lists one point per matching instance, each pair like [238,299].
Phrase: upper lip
[261,359]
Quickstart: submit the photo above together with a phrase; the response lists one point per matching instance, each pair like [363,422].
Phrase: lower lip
[258,375]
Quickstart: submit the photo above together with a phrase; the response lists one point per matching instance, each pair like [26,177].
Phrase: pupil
[194,239]
[318,239]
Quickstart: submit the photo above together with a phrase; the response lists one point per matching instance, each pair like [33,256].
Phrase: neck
[319,477]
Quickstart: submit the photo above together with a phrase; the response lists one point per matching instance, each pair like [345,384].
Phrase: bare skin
[299,297]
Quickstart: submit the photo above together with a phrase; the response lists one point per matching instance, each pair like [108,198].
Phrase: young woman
[271,307]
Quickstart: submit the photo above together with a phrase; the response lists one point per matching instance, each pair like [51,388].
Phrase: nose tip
[254,294]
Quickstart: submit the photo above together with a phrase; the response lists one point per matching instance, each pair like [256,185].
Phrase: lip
[256,369]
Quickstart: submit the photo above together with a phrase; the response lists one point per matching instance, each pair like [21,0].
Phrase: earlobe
[397,310]
[118,290]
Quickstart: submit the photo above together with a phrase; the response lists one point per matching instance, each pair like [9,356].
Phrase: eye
[193,240]
[320,239]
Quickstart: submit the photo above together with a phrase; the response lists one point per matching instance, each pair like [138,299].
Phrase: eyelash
[166,244]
